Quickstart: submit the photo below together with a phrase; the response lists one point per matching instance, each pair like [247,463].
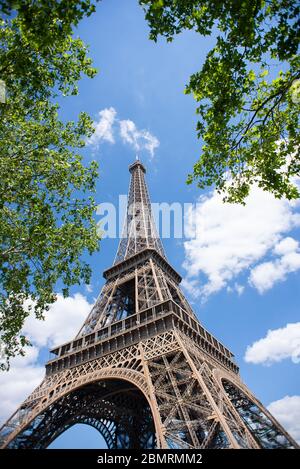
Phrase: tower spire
[139,230]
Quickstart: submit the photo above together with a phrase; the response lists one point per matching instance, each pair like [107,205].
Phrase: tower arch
[118,408]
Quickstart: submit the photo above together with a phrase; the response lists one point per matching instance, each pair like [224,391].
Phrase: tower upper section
[139,230]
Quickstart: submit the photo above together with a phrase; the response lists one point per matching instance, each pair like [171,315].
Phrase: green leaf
[45,225]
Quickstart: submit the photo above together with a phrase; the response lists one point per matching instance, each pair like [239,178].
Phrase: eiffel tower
[142,369]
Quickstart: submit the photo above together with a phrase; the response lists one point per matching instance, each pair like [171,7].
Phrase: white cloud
[191,286]
[278,345]
[287,412]
[286,246]
[17,383]
[227,239]
[239,289]
[265,275]
[105,131]
[103,128]
[138,139]
[63,321]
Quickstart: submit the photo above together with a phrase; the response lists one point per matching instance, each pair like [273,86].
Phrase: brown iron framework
[142,369]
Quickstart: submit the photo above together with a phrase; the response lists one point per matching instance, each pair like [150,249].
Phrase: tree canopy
[46,202]
[248,91]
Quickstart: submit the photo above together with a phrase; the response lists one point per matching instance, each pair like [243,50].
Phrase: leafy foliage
[46,207]
[248,108]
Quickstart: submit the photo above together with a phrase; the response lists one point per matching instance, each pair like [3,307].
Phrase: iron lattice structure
[142,369]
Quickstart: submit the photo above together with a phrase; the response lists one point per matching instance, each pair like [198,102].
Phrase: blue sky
[244,270]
